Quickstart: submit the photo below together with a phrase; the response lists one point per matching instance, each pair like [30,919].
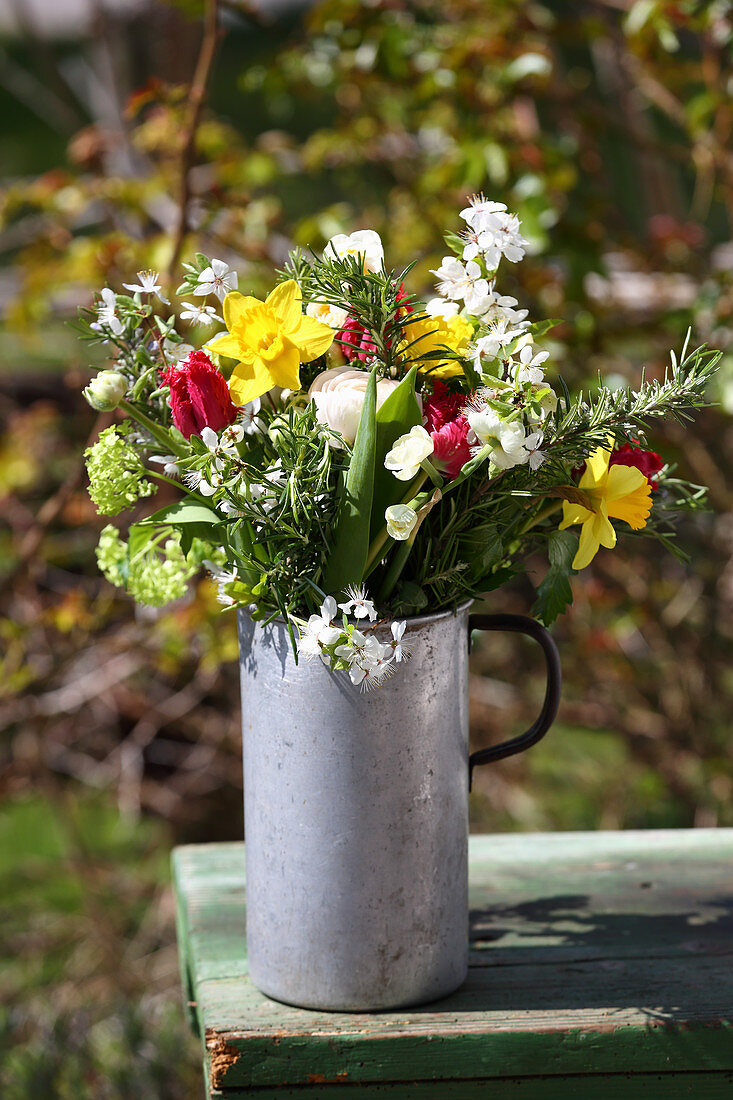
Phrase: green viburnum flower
[156,575]
[112,556]
[115,472]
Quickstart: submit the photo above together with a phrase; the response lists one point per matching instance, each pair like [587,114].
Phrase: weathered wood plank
[617,1086]
[589,952]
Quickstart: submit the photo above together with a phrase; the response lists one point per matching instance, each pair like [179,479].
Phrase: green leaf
[555,593]
[183,511]
[482,549]
[411,599]
[351,536]
[394,418]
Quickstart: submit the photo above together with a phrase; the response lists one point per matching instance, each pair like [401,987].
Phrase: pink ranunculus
[443,418]
[353,338]
[199,395]
[354,341]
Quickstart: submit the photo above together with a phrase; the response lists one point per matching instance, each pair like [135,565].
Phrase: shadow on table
[560,952]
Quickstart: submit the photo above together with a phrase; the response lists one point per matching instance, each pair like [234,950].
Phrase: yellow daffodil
[269,339]
[429,334]
[615,492]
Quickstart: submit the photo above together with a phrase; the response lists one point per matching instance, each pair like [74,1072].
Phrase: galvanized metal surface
[356,822]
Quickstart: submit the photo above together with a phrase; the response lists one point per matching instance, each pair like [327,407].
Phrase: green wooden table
[600,967]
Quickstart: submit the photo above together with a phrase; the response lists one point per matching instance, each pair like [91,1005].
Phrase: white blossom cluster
[368,661]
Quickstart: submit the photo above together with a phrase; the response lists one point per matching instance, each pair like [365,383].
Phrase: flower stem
[158,433]
[375,547]
[538,517]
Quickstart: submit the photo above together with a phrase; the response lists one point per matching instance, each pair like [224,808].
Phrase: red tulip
[199,395]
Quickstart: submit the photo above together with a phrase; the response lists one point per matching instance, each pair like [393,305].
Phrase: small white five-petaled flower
[357,603]
[106,311]
[199,314]
[319,632]
[147,284]
[217,279]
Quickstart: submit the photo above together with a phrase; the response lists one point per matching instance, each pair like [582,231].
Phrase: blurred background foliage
[606,125]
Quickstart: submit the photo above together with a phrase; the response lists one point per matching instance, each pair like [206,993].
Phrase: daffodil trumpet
[269,340]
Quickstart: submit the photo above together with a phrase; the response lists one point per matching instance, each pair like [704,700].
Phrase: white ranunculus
[338,395]
[106,390]
[440,307]
[505,439]
[408,452]
[401,520]
[326,313]
[365,243]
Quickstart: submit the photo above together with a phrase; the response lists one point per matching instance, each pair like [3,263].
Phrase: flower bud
[408,452]
[401,520]
[105,392]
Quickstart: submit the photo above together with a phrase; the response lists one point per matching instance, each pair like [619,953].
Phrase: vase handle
[521,624]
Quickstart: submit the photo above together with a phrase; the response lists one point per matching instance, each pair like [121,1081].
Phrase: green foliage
[350,541]
[397,414]
[555,594]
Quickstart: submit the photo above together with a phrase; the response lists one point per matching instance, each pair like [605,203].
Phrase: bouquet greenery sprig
[347,455]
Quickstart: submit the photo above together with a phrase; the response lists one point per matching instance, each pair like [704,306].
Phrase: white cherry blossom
[532,445]
[147,284]
[496,340]
[506,440]
[400,649]
[199,314]
[478,205]
[218,278]
[530,365]
[357,604]
[461,282]
[107,311]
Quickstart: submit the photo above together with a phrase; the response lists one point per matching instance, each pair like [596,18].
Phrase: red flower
[354,340]
[649,462]
[443,418]
[199,395]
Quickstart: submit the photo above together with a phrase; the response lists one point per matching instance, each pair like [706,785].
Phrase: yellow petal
[587,547]
[286,301]
[623,480]
[285,369]
[312,338]
[603,529]
[235,304]
[245,385]
[635,507]
[226,345]
[596,468]
[597,531]
[573,513]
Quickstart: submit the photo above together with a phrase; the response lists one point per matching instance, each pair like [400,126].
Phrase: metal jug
[356,816]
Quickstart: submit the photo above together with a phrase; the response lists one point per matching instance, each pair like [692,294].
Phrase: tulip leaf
[347,559]
[394,418]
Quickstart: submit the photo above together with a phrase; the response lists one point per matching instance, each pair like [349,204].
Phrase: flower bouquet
[348,455]
[354,467]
